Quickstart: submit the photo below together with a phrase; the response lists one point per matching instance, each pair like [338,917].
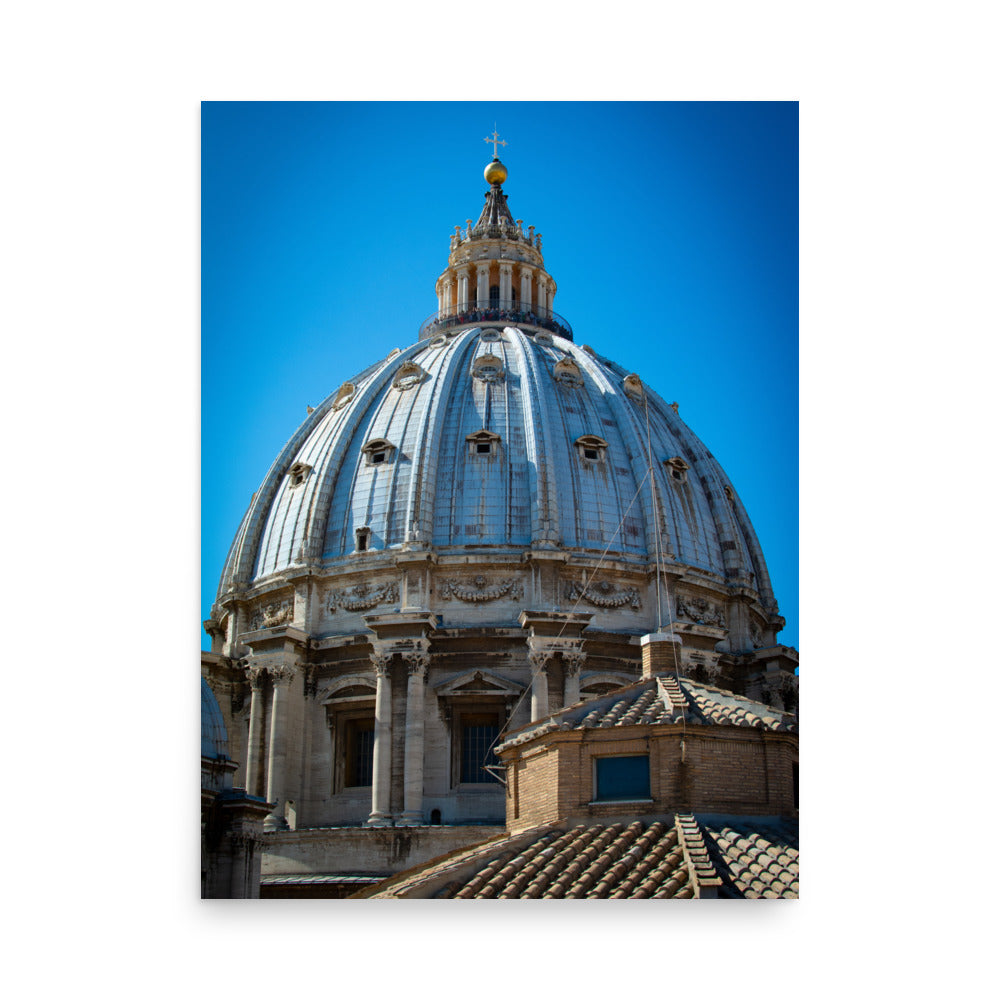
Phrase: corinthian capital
[417,662]
[380,661]
[255,673]
[538,658]
[282,673]
[572,660]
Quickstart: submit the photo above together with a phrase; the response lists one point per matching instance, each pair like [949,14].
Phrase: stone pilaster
[526,289]
[506,286]
[382,764]
[282,676]
[413,771]
[255,674]
[572,662]
[482,286]
[539,683]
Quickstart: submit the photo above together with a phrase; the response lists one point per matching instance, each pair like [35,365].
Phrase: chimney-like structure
[660,653]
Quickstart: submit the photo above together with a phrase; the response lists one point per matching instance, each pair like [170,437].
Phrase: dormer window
[378,452]
[362,538]
[409,375]
[567,372]
[488,368]
[297,474]
[591,448]
[728,490]
[677,468]
[483,442]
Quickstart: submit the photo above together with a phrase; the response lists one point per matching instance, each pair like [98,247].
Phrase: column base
[273,824]
[411,819]
[378,819]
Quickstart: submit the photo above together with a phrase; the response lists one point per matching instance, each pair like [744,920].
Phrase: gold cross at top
[496,140]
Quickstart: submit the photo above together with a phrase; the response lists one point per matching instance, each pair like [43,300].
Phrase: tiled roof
[755,863]
[664,699]
[638,860]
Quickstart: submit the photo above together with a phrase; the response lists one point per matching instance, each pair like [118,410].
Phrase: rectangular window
[622,777]
[360,752]
[479,736]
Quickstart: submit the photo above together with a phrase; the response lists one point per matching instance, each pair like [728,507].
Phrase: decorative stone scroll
[272,615]
[604,595]
[700,611]
[344,395]
[755,637]
[364,596]
[481,590]
[633,387]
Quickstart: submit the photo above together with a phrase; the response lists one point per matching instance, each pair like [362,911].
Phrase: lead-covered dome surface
[494,438]
[214,740]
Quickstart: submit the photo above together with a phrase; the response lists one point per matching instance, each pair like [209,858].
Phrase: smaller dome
[495,172]
[214,739]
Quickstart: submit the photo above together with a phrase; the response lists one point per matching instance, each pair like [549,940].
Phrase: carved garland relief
[604,595]
[364,596]
[481,590]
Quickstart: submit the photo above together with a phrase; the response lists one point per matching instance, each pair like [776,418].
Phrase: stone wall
[358,850]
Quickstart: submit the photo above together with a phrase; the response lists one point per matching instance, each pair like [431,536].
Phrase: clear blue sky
[670,229]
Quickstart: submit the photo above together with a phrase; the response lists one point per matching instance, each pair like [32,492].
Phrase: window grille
[360,752]
[479,734]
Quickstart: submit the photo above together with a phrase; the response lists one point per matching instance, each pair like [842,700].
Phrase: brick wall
[730,770]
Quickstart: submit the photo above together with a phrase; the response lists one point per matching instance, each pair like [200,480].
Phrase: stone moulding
[604,595]
[481,590]
[364,596]
[700,611]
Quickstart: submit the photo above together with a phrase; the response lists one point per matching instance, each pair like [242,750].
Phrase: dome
[214,741]
[495,438]
[523,470]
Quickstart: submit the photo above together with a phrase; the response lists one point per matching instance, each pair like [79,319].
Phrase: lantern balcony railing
[513,315]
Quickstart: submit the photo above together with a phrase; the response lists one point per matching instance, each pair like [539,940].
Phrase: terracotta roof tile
[661,699]
[682,859]
[754,863]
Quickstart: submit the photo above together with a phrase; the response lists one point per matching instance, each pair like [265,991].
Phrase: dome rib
[545,518]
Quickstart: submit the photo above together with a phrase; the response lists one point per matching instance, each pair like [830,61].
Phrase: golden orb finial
[495,172]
